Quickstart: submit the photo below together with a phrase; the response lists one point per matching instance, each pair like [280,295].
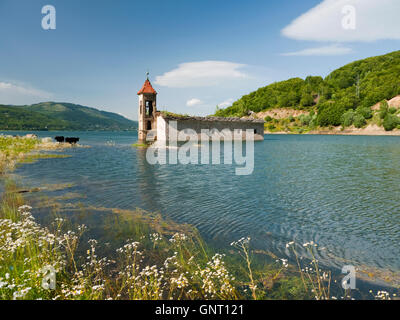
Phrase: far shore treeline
[348,92]
[61,116]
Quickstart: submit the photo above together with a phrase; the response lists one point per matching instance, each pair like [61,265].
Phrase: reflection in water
[147,180]
[340,192]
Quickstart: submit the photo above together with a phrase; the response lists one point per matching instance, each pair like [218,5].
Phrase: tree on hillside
[307,100]
[356,86]
[390,122]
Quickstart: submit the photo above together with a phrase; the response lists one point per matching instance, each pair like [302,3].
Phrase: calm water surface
[342,192]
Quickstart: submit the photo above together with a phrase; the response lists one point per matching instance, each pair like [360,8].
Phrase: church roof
[147,88]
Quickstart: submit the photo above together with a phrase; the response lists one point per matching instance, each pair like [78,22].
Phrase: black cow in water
[71,140]
[59,139]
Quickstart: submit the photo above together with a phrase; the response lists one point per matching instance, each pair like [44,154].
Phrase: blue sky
[200,53]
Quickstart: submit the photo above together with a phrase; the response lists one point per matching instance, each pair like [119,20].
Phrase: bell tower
[147,109]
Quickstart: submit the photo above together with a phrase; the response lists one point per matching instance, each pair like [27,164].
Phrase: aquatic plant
[313,278]
[26,249]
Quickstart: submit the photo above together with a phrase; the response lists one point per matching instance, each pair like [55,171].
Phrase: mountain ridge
[61,116]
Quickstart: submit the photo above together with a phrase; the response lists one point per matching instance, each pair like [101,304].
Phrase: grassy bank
[26,149]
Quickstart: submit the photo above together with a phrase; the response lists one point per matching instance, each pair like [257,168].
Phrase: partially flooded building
[155,125]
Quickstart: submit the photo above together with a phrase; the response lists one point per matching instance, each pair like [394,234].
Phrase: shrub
[348,102]
[366,112]
[390,122]
[330,114]
[313,123]
[305,119]
[268,119]
[383,109]
[306,100]
[348,118]
[359,121]
[392,110]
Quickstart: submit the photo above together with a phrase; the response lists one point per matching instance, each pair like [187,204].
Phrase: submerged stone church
[155,125]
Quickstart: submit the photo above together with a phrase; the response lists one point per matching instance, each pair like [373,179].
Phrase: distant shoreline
[371,130]
[66,130]
[334,133]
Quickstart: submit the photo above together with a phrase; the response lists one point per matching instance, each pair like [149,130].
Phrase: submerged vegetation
[150,266]
[162,260]
[153,266]
[140,145]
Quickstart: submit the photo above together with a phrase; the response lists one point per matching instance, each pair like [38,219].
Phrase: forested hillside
[352,89]
[60,116]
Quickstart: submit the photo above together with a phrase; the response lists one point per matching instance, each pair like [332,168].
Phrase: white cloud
[201,74]
[9,87]
[375,20]
[11,93]
[332,50]
[193,102]
[226,103]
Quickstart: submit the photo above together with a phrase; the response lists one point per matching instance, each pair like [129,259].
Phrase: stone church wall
[194,125]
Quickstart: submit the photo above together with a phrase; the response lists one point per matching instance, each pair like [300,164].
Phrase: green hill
[354,88]
[61,116]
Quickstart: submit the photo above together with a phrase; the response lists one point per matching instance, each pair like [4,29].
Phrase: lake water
[341,192]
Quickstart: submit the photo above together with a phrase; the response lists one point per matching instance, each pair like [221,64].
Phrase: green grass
[174,115]
[17,145]
[288,125]
[14,149]
[140,145]
[19,150]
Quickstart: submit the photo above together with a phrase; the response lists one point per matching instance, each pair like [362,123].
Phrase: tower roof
[147,88]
